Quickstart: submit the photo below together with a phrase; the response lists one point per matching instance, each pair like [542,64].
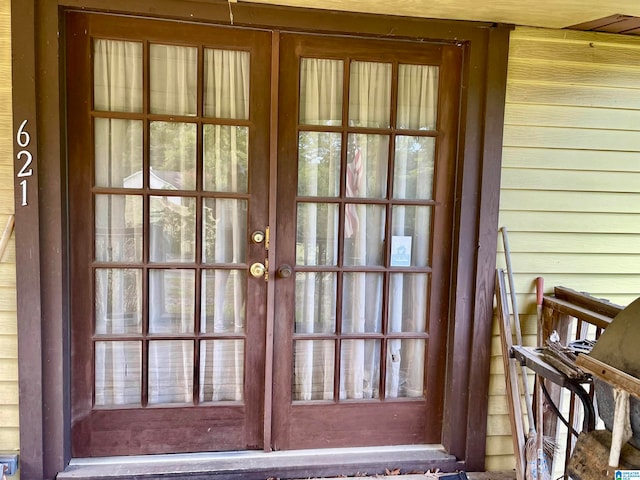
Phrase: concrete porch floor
[299,464]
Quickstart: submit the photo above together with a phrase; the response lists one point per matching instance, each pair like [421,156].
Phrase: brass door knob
[257,270]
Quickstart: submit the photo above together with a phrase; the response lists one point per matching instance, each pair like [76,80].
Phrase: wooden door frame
[41,226]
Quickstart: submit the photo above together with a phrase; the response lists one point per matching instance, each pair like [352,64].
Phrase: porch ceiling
[537,13]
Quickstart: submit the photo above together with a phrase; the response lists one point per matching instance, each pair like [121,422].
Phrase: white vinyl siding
[570,185]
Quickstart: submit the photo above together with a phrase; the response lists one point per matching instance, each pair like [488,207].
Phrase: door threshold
[258,465]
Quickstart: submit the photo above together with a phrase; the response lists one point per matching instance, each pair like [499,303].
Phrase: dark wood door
[367,140]
[167,132]
[169,187]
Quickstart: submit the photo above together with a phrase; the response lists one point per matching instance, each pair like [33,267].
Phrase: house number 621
[23,138]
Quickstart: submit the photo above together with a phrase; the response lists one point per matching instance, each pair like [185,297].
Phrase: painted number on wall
[24,158]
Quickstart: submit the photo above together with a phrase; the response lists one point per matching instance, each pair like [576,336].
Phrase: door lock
[257,270]
[258,236]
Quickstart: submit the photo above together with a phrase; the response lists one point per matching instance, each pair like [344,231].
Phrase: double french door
[172,140]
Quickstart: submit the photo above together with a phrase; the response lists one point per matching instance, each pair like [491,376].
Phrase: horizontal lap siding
[9,431]
[570,185]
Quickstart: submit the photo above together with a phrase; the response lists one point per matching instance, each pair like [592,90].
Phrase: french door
[169,138]
[365,178]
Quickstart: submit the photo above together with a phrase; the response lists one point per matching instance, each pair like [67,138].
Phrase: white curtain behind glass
[226,80]
[369,106]
[173,91]
[117,70]
[117,87]
[173,79]
[418,97]
[320,104]
[417,110]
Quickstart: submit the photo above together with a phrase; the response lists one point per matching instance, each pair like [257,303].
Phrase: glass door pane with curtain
[167,322]
[362,322]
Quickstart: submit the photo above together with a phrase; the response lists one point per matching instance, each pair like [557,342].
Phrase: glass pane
[408,293]
[364,228]
[367,166]
[171,301]
[118,373]
[413,169]
[226,83]
[226,156]
[362,302]
[224,230]
[224,296]
[170,371]
[172,229]
[405,368]
[173,79]
[316,302]
[370,95]
[359,369]
[321,91]
[117,76]
[118,301]
[313,367]
[118,153]
[172,156]
[417,97]
[221,370]
[317,234]
[118,228]
[411,230]
[319,164]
